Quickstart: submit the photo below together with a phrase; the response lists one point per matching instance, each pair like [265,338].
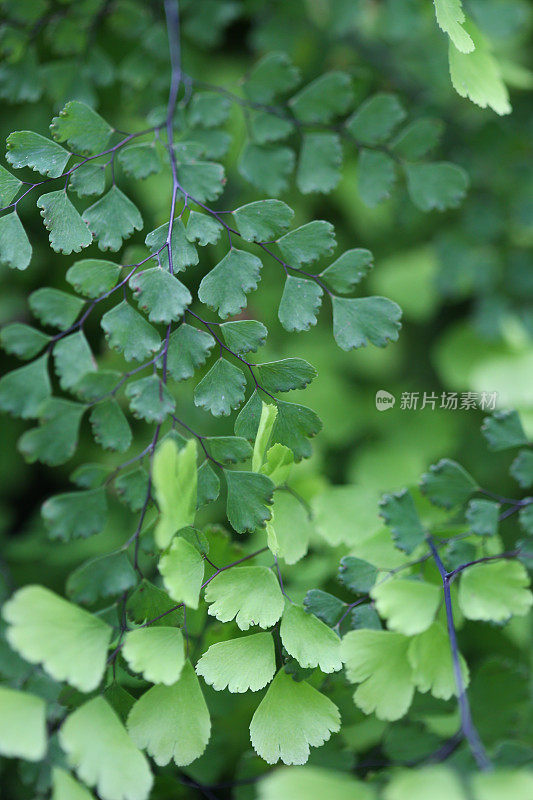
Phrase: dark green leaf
[357,575]
[325,606]
[183,252]
[23,390]
[249,495]
[274,74]
[285,375]
[308,243]
[365,616]
[319,166]
[228,449]
[110,427]
[132,488]
[203,229]
[418,138]
[376,118]
[356,322]
[89,476]
[348,270]
[112,219]
[208,109]
[226,286]
[55,308]
[525,518]
[439,185]
[94,386]
[88,179]
[399,512]
[73,359]
[22,340]
[75,515]
[503,430]
[300,304]
[82,128]
[9,186]
[375,176]
[28,149]
[264,220]
[188,348]
[447,484]
[56,438]
[243,336]
[202,180]
[482,516]
[267,127]
[104,576]
[208,487]
[148,602]
[521,468]
[221,389]
[129,333]
[160,294]
[294,425]
[93,277]
[324,99]
[139,160]
[15,247]
[150,399]
[267,167]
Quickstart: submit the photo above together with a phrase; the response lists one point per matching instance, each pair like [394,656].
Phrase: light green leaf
[356,322]
[343,514]
[221,390]
[73,359]
[75,515]
[110,427]
[430,657]
[290,529]
[400,514]
[312,783]
[495,591]
[161,295]
[129,333]
[172,722]
[103,755]
[22,340]
[175,484]
[82,128]
[267,167]
[182,568]
[300,304]
[319,166]
[377,660]
[264,220]
[226,286]
[269,412]
[482,516]
[70,643]
[244,335]
[274,74]
[202,180]
[88,179]
[450,16]
[22,725]
[285,375]
[291,718]
[309,640]
[278,464]
[203,229]
[56,438]
[477,74]
[112,219]
[375,120]
[516,783]
[93,277]
[28,149]
[434,781]
[447,484]
[183,252]
[436,186]
[139,160]
[409,606]
[9,186]
[188,348]
[157,653]
[249,495]
[15,247]
[55,308]
[249,595]
[65,787]
[68,233]
[503,430]
[308,243]
[375,177]
[23,390]
[348,270]
[150,399]
[104,576]
[324,98]
[248,663]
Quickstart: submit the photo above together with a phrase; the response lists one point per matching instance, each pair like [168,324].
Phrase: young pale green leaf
[409,606]
[285,375]
[511,782]
[450,16]
[356,322]
[56,438]
[93,277]
[495,591]
[228,449]
[157,653]
[221,390]
[203,229]
[244,335]
[375,177]
[240,665]
[503,430]
[172,722]
[375,120]
[65,787]
[188,348]
[202,180]
[82,128]
[104,576]
[278,464]
[357,575]
[183,251]
[150,399]
[300,304]
[447,484]
[226,286]
[103,755]
[139,160]
[9,186]
[269,412]
[249,595]
[128,332]
[22,340]
[290,529]
[430,657]
[309,640]
[55,308]
[23,390]
[70,643]
[88,179]
[112,219]
[208,109]
[482,516]
[22,725]
[477,74]
[15,247]
[308,243]
[149,603]
[436,781]
[161,295]
[291,718]
[28,149]
[75,515]
[312,783]
[273,75]
[436,186]
[182,568]
[267,167]
[110,427]
[175,484]
[73,359]
[377,660]
[418,139]
[348,270]
[249,495]
[521,468]
[400,514]
[264,220]
[323,99]
[68,233]
[319,165]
